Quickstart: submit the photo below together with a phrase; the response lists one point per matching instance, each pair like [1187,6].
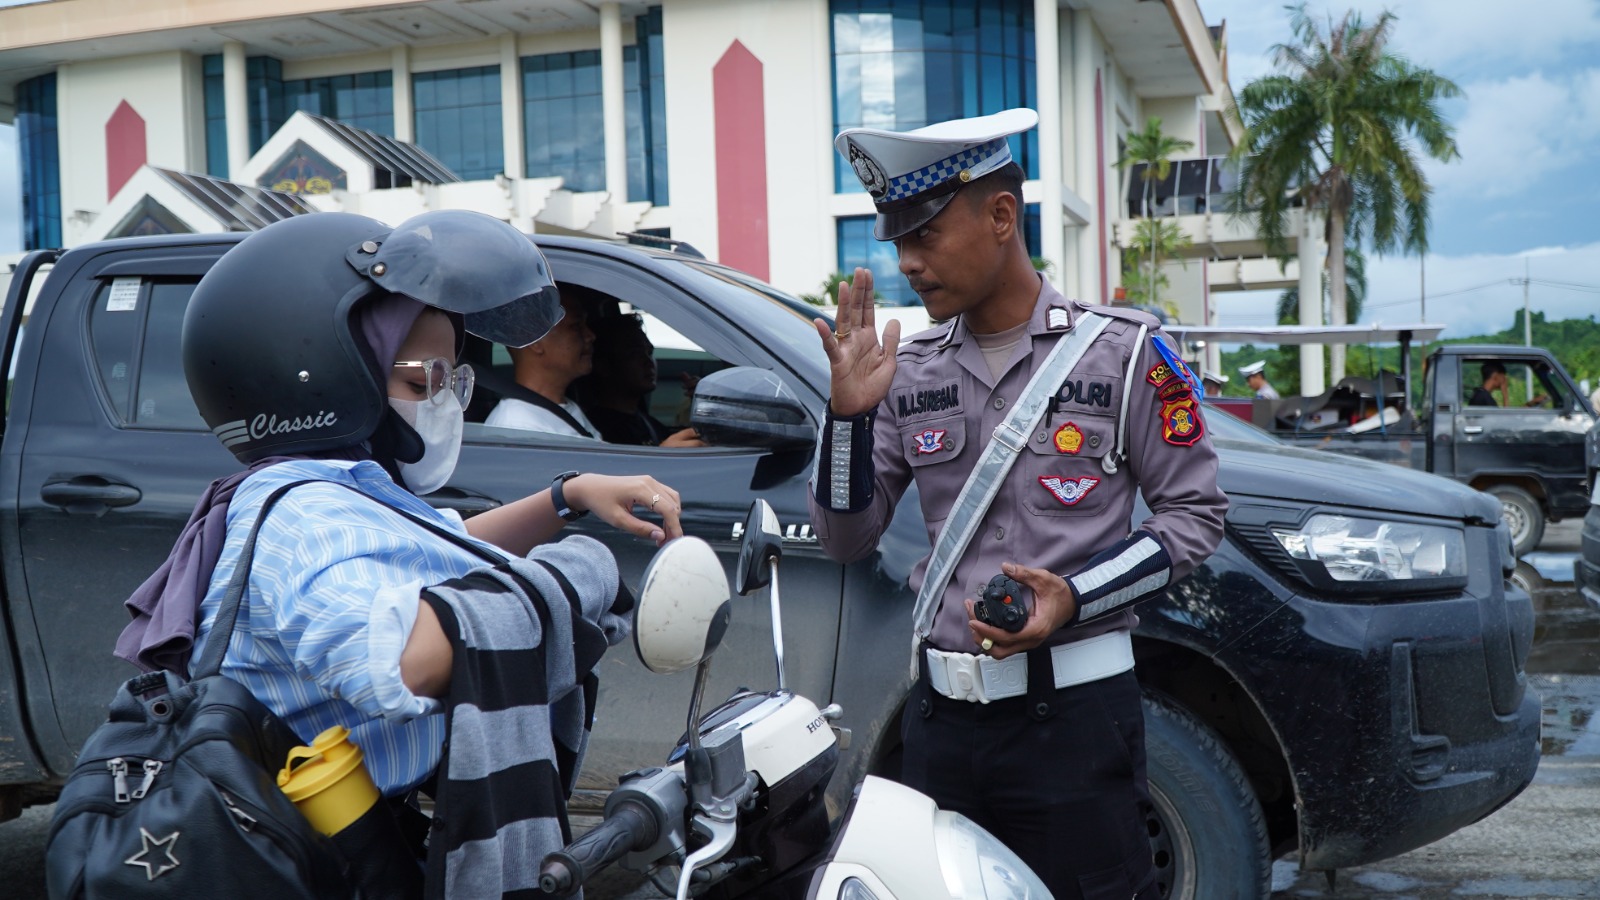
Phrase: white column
[1052,224]
[405,125]
[236,106]
[511,106]
[1084,151]
[612,103]
[1310,255]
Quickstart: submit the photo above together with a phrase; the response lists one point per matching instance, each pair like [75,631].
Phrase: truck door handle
[465,502]
[89,494]
[1472,429]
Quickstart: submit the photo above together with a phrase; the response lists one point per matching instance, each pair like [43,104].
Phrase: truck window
[1525,384]
[135,329]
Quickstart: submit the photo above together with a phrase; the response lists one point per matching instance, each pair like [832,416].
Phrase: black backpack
[176,796]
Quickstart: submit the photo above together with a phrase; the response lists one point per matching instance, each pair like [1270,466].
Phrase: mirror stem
[702,674]
[777,623]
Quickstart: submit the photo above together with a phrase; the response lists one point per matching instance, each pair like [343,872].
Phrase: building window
[563,121]
[41,162]
[365,100]
[458,119]
[857,247]
[903,64]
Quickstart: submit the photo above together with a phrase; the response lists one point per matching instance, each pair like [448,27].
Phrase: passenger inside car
[543,372]
[616,396]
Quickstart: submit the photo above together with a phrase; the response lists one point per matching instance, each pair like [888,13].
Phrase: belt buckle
[964,678]
[1010,438]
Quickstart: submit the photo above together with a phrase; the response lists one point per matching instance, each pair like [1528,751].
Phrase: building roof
[403,162]
[239,207]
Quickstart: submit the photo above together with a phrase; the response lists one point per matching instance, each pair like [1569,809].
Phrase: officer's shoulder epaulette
[1126,314]
[925,342]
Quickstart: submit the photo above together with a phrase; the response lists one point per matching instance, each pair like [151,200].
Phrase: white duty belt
[1010,436]
[981,679]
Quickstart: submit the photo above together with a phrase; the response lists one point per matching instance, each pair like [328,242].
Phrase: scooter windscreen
[975,864]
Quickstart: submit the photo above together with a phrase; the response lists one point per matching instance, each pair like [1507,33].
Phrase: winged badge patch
[930,441]
[1068,490]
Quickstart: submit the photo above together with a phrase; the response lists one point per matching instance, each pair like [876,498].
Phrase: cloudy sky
[1524,193]
[1525,190]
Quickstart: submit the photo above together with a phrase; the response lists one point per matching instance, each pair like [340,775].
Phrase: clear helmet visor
[468,263]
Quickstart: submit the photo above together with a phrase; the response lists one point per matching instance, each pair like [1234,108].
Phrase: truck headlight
[1355,549]
[976,866]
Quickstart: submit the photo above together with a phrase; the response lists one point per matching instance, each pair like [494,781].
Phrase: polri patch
[1068,490]
[1069,439]
[936,399]
[929,441]
[1173,388]
[1178,367]
[1160,374]
[1085,393]
[1181,425]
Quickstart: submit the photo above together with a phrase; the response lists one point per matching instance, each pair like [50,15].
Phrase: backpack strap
[233,600]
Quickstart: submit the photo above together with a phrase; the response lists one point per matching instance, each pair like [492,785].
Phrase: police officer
[1037,735]
[1255,378]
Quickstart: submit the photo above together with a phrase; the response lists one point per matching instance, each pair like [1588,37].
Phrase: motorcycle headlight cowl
[976,866]
[1350,554]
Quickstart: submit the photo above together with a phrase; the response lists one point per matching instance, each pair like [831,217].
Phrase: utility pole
[1527,318]
[1424,287]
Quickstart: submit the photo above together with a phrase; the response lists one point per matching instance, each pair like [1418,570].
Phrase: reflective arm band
[1121,574]
[844,463]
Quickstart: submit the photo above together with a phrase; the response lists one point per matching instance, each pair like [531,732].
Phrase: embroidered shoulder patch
[1160,374]
[1181,425]
[1176,364]
[1068,490]
[1069,439]
[929,441]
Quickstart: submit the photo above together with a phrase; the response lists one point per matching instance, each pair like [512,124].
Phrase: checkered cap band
[911,184]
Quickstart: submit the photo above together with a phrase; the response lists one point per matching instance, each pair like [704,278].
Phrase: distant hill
[1575,342]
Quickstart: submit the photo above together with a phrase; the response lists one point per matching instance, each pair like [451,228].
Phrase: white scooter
[740,810]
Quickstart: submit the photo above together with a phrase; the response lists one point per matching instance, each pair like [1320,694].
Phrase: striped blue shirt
[333,593]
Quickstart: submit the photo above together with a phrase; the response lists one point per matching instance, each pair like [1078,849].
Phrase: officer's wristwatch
[558,496]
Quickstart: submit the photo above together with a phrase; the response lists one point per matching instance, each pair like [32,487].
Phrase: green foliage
[1355,274]
[828,293]
[1040,264]
[1154,148]
[1283,369]
[1146,282]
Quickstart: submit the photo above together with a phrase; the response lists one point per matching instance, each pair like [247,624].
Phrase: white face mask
[439,426]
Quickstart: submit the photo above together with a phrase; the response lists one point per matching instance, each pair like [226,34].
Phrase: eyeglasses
[441,377]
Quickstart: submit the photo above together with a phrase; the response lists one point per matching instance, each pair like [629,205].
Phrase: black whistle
[1003,603]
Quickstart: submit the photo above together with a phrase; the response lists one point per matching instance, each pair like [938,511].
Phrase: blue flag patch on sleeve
[1180,367]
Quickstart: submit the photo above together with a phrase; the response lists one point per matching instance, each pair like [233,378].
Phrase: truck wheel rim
[1171,848]
[1515,520]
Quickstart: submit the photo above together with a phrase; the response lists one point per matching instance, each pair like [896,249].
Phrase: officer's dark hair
[1492,368]
[1008,178]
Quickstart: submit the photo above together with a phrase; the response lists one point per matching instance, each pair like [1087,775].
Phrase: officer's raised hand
[1053,605]
[861,367]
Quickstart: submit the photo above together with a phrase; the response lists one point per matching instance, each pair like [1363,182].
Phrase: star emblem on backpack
[155,867]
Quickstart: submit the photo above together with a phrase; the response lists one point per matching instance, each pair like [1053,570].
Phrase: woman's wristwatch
[558,496]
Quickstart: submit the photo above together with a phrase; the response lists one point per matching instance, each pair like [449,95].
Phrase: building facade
[709,121]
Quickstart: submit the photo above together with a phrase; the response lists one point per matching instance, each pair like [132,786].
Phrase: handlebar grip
[628,828]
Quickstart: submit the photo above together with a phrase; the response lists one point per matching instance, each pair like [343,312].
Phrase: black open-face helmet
[270,347]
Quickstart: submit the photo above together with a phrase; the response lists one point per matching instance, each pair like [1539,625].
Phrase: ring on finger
[841,335]
[654,499]
[987,645]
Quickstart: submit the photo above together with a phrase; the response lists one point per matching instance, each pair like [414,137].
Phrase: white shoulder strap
[990,472]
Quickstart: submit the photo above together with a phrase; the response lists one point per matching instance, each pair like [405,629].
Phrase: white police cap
[1253,369]
[1212,375]
[912,175]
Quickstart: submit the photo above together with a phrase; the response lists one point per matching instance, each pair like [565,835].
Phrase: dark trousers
[1057,775]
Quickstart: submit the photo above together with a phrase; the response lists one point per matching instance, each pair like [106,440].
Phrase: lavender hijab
[165,608]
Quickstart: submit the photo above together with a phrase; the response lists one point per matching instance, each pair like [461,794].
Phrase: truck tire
[1522,514]
[1207,832]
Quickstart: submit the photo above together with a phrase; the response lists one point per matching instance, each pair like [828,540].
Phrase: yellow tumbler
[327,781]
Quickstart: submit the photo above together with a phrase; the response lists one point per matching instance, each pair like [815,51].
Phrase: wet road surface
[1544,845]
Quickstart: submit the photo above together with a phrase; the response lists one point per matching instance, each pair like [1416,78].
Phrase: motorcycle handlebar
[628,828]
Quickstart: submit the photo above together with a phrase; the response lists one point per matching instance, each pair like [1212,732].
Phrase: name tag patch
[929,441]
[932,400]
[1069,439]
[1180,421]
[1068,490]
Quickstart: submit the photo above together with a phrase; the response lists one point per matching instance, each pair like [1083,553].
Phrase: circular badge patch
[1069,439]
[868,170]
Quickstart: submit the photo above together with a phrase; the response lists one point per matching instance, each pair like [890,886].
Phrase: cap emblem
[965,176]
[868,170]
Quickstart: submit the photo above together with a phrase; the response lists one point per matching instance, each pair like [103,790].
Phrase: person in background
[1256,379]
[1214,382]
[618,396]
[1495,381]
[546,368]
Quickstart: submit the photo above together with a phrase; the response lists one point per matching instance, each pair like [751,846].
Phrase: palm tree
[1152,148]
[1153,240]
[1337,130]
[1355,270]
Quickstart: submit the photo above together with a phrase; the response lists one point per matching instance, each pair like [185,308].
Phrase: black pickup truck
[1523,444]
[1342,680]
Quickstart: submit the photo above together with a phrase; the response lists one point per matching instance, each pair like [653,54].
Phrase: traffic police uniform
[1057,773]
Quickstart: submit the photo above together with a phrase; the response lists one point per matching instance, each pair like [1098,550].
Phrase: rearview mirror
[763,542]
[749,407]
[683,607]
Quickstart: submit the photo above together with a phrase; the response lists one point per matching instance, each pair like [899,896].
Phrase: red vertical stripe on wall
[1100,182]
[125,147]
[739,109]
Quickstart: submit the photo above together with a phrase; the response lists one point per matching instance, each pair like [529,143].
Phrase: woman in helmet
[323,348]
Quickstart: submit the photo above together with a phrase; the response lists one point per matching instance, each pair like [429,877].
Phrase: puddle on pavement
[1564,663]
